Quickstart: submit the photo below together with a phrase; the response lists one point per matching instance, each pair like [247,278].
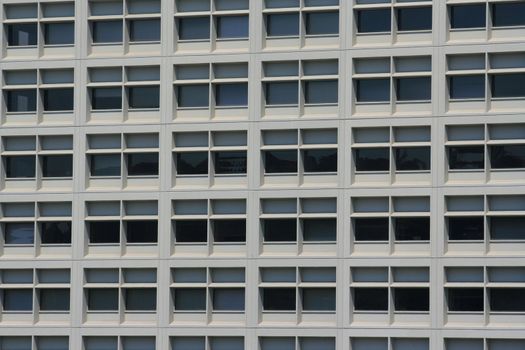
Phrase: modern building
[262,175]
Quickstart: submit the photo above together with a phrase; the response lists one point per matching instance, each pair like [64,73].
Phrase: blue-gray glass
[318,299]
[282,93]
[508,85]
[278,299]
[191,231]
[230,162]
[193,95]
[58,99]
[106,32]
[466,228]
[465,299]
[370,299]
[232,27]
[468,86]
[507,157]
[144,97]
[235,94]
[106,98]
[144,30]
[56,299]
[370,229]
[59,33]
[414,18]
[411,299]
[276,162]
[18,300]
[413,89]
[140,299]
[228,299]
[372,159]
[374,21]
[466,157]
[57,166]
[143,164]
[319,230]
[373,90]
[105,164]
[19,233]
[22,34]
[104,232]
[189,299]
[194,28]
[102,299]
[320,160]
[321,91]
[413,158]
[192,163]
[508,300]
[322,23]
[17,167]
[141,231]
[468,16]
[21,100]
[280,230]
[412,229]
[507,227]
[282,24]
[55,232]
[229,231]
[508,14]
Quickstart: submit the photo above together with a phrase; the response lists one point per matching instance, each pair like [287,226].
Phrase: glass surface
[56,232]
[373,90]
[194,28]
[276,162]
[507,228]
[280,230]
[508,14]
[232,27]
[54,299]
[106,32]
[412,158]
[508,85]
[465,87]
[322,23]
[413,89]
[282,24]
[101,232]
[191,231]
[319,230]
[278,299]
[507,156]
[18,300]
[227,95]
[105,164]
[140,299]
[411,299]
[468,16]
[412,229]
[371,229]
[228,299]
[416,18]
[189,299]
[466,157]
[106,98]
[141,231]
[144,30]
[466,228]
[22,34]
[143,164]
[372,159]
[374,21]
[58,99]
[230,162]
[21,100]
[465,299]
[193,96]
[320,91]
[144,97]
[370,299]
[59,33]
[320,160]
[102,299]
[57,166]
[192,163]
[281,93]
[19,233]
[507,299]
[18,167]
[318,299]
[231,231]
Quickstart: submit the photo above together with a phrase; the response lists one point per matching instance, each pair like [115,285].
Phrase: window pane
[417,18]
[188,343]
[508,14]
[466,228]
[52,343]
[507,156]
[57,166]
[282,24]
[468,16]
[102,299]
[104,232]
[411,299]
[59,33]
[370,299]
[412,229]
[232,27]
[280,230]
[143,164]
[465,299]
[282,93]
[144,30]
[373,90]
[322,23]
[373,229]
[19,167]
[141,231]
[374,21]
[107,31]
[507,228]
[21,100]
[106,98]
[230,162]
[189,299]
[413,89]
[144,97]
[508,85]
[19,233]
[319,230]
[18,300]
[105,164]
[192,163]
[318,299]
[469,86]
[320,92]
[413,158]
[278,299]
[57,232]
[22,34]
[193,96]
[372,159]
[280,162]
[231,94]
[320,160]
[190,231]
[507,299]
[58,99]
[228,299]
[141,299]
[54,299]
[229,230]
[194,28]
[466,157]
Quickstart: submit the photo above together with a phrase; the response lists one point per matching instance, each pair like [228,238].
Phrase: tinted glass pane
[372,159]
[99,299]
[285,93]
[280,230]
[411,299]
[507,156]
[507,228]
[228,299]
[192,163]
[470,86]
[141,231]
[233,162]
[19,233]
[373,90]
[413,158]
[107,32]
[58,100]
[319,230]
[106,98]
[21,100]
[143,164]
[278,299]
[466,157]
[191,231]
[412,229]
[19,167]
[22,34]
[57,166]
[231,94]
[144,30]
[417,18]
[320,160]
[370,299]
[508,85]
[466,228]
[371,229]
[104,232]
[59,33]
[194,28]
[465,299]
[468,16]
[413,89]
[190,299]
[229,230]
[57,232]
[18,299]
[232,27]
[285,24]
[507,299]
[373,21]
[141,299]
[193,96]
[105,164]
[508,14]
[320,92]
[280,162]
[322,23]
[54,299]
[318,299]
[144,97]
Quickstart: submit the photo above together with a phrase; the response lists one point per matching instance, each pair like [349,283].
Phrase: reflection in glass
[466,157]
[232,27]
[230,162]
[21,100]
[17,167]
[191,231]
[282,24]
[55,232]
[371,229]
[374,21]
[320,160]
[373,90]
[192,163]
[413,158]
[276,162]
[322,23]
[507,156]
[143,164]
[59,33]
[144,30]
[106,98]
[194,28]
[106,32]
[105,164]
[22,34]
[144,97]
[19,233]
[193,96]
[282,93]
[372,159]
[57,166]
[235,94]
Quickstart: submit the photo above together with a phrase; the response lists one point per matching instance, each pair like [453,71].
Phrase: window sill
[473,99]
[16,312]
[280,174]
[100,312]
[368,103]
[499,170]
[54,312]
[320,173]
[319,242]
[51,46]
[23,47]
[103,244]
[465,241]
[142,177]
[229,243]
[284,312]
[20,179]
[19,113]
[372,172]
[318,312]
[105,177]
[189,176]
[140,312]
[231,107]
[466,171]
[373,33]
[404,102]
[413,242]
[58,245]
[331,35]
[510,98]
[232,39]
[473,29]
[371,312]
[280,243]
[7,245]
[466,312]
[506,313]
[506,241]
[230,175]
[228,312]
[411,312]
[322,104]
[200,312]
[370,242]
[187,244]
[401,172]
[107,44]
[109,110]
[282,37]
[197,108]
[508,27]
[146,42]
[417,31]
[58,178]
[282,106]
[144,109]
[185,41]
[59,111]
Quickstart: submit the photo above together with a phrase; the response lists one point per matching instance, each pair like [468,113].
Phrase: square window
[19,167]
[320,92]
[57,166]
[414,18]
[412,229]
[413,158]
[54,299]
[191,231]
[318,299]
[465,299]
[55,232]
[58,99]
[508,14]
[371,229]
[466,228]
[192,163]
[194,28]
[140,299]
[231,95]
[18,300]
[144,30]
[276,162]
[105,164]
[22,34]
[282,93]
[21,100]
[141,231]
[466,87]
[144,97]
[374,21]
[278,299]
[372,159]
[507,228]
[189,299]
[106,32]
[143,164]
[319,230]
[507,299]
[411,299]
[322,23]
[373,90]
[106,98]
[370,299]
[279,230]
[59,33]
[104,232]
[228,299]
[232,27]
[508,85]
[320,160]
[468,16]
[19,233]
[507,157]
[192,96]
[230,162]
[413,89]
[102,299]
[466,157]
[229,231]
[282,24]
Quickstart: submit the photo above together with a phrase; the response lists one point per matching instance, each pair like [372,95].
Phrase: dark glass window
[106,98]
[228,299]
[468,16]
[465,299]
[17,167]
[322,23]
[58,99]
[320,160]
[507,299]
[232,27]
[229,231]
[507,156]
[280,230]
[59,33]
[468,86]
[140,299]
[507,228]
[508,14]
[374,21]
[144,97]
[189,96]
[105,164]
[194,28]
[318,299]
[508,85]
[55,232]
[106,32]
[413,158]
[411,299]
[280,161]
[143,164]
[414,18]
[466,228]
[282,24]
[282,93]
[372,90]
[144,30]
[230,162]
[231,94]
[104,232]
[18,300]
[22,34]
[370,299]
[141,231]
[412,229]
[466,157]
[57,166]
[102,299]
[54,299]
[189,299]
[372,159]
[192,163]
[21,100]
[191,231]
[371,229]
[278,299]
[413,89]
[320,91]
[19,233]
[319,230]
